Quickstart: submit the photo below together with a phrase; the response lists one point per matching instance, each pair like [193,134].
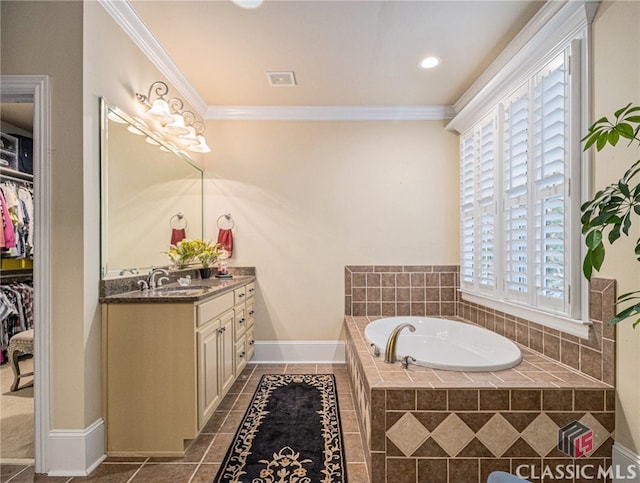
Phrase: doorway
[34,90]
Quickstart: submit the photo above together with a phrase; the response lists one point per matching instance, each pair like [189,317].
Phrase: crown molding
[329,113]
[554,23]
[129,20]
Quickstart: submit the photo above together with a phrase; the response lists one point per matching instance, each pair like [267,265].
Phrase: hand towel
[177,234]
[225,240]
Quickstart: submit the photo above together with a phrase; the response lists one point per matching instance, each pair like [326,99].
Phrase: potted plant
[609,214]
[182,253]
[207,254]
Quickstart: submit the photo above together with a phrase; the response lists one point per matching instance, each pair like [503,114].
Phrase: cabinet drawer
[240,320]
[240,294]
[250,312]
[212,308]
[251,343]
[241,354]
[251,289]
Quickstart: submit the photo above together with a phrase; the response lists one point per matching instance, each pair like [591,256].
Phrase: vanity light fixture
[182,125]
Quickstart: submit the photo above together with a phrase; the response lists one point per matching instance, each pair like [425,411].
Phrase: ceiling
[343,53]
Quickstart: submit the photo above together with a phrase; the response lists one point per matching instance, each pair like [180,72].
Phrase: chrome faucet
[390,351]
[152,277]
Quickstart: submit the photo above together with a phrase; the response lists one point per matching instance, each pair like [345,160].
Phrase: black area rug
[291,433]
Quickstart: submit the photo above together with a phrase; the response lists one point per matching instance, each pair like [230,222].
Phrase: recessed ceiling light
[430,62]
[248,4]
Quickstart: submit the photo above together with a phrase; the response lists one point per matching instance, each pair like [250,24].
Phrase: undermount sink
[178,290]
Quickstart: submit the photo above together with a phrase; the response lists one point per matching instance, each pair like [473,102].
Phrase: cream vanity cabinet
[167,366]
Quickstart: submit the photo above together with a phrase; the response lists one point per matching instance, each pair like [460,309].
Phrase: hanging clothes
[16,312]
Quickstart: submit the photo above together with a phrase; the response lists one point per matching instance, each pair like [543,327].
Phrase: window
[517,244]
[523,173]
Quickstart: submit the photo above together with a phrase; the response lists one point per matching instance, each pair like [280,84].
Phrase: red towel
[177,234]
[225,240]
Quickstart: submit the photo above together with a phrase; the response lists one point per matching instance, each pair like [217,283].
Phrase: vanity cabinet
[167,367]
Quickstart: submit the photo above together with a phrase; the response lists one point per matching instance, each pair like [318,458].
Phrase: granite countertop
[200,289]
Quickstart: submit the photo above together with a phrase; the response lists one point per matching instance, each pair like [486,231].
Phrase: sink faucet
[390,351]
[152,277]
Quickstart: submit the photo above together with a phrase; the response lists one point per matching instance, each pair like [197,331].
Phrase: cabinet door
[226,356]
[209,394]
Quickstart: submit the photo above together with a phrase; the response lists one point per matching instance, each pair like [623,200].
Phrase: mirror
[148,188]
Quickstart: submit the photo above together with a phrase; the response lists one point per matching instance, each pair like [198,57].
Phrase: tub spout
[390,351]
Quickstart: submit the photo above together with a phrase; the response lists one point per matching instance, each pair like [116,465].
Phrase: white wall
[309,198]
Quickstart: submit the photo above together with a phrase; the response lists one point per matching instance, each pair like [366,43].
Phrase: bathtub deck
[535,371]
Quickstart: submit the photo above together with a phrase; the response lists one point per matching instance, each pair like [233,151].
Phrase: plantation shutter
[516,195]
[467,204]
[550,112]
[486,206]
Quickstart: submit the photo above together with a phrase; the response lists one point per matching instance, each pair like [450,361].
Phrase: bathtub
[446,344]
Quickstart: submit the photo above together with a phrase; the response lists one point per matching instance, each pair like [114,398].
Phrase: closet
[17,234]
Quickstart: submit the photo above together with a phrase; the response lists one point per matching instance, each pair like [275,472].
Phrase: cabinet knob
[240,295]
[241,321]
[241,354]
[251,290]
[251,312]
[252,342]
[221,330]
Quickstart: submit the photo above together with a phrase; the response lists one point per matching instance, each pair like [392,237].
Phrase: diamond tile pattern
[408,434]
[498,435]
[453,434]
[600,433]
[541,434]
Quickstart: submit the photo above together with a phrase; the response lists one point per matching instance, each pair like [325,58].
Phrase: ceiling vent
[282,79]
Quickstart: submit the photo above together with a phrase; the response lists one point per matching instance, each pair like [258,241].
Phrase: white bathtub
[446,344]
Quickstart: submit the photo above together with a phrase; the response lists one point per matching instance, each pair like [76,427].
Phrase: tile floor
[204,456]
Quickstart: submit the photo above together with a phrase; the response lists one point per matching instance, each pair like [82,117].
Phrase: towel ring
[220,222]
[179,217]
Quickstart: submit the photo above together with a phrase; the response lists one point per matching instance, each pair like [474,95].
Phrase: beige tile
[354,452]
[111,472]
[408,434]
[234,418]
[357,473]
[541,434]
[219,448]
[498,435]
[205,473]
[452,434]
[175,473]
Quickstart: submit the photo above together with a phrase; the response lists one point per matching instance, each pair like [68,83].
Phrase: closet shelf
[15,175]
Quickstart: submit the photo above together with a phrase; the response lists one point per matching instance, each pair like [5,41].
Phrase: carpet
[291,433]
[16,415]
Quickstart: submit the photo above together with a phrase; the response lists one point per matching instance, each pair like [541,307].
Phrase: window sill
[579,328]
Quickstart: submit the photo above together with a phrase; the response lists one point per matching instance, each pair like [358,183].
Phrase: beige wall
[309,198]
[33,36]
[616,32]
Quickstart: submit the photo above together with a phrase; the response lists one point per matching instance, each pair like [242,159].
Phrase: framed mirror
[149,188]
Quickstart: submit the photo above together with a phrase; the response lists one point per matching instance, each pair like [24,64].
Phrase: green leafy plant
[207,253]
[609,214]
[186,251]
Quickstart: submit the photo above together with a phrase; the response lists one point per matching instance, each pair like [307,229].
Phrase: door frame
[35,89]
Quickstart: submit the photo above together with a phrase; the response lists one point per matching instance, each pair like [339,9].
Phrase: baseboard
[299,351]
[76,452]
[626,464]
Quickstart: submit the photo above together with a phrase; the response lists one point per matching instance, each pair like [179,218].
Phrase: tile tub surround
[433,290]
[423,425]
